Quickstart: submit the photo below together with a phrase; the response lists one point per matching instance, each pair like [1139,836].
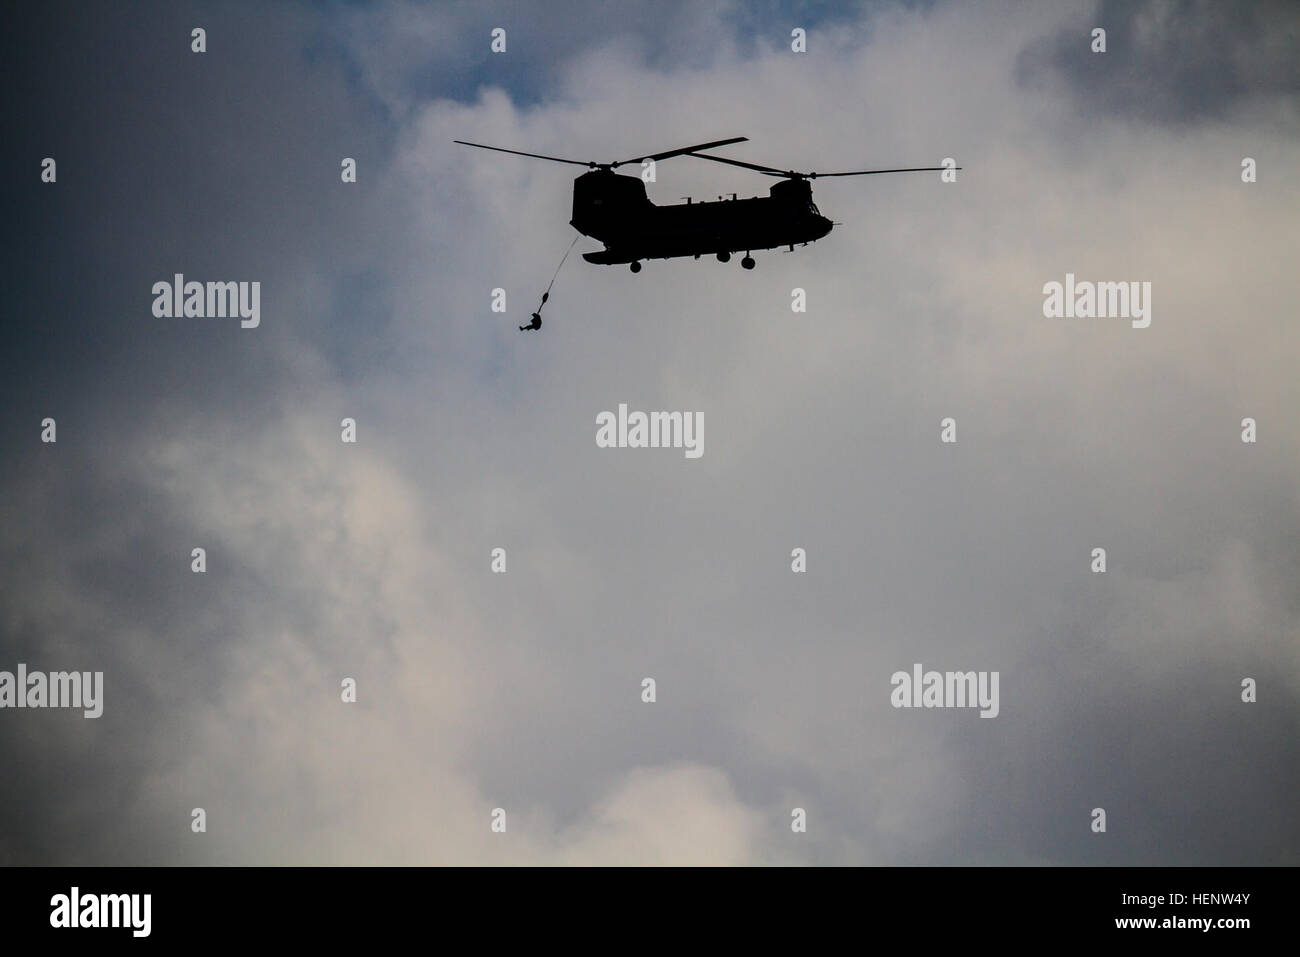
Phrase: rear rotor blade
[870,172]
[793,174]
[683,150]
[500,149]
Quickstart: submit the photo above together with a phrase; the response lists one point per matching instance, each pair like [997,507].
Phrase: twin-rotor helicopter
[615,210]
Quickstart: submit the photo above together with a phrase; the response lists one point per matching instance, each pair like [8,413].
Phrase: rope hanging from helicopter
[537,316]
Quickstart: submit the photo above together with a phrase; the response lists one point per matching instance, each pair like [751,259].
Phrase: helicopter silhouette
[614,209]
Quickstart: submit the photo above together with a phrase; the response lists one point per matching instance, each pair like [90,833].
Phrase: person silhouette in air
[537,316]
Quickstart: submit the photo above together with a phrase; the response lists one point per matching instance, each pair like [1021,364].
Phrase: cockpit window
[812,208]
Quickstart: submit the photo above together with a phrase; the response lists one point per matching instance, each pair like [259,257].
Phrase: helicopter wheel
[724,256]
[747,262]
[635,267]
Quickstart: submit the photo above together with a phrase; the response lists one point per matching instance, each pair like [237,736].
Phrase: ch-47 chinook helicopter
[614,209]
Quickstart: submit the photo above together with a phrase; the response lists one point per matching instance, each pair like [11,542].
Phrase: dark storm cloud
[157,175]
[1176,61]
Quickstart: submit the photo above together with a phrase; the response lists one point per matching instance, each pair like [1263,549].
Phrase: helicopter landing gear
[724,256]
[747,262]
[635,267]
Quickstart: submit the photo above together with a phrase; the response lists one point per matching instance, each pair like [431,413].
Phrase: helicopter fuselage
[615,210]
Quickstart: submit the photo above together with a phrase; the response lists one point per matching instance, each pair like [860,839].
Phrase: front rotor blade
[870,172]
[754,166]
[683,150]
[540,156]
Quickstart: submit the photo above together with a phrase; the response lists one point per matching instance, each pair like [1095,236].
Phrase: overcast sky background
[821,430]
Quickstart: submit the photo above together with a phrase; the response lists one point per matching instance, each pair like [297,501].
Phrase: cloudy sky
[522,690]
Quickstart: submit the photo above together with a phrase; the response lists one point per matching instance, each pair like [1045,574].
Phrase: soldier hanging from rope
[537,316]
